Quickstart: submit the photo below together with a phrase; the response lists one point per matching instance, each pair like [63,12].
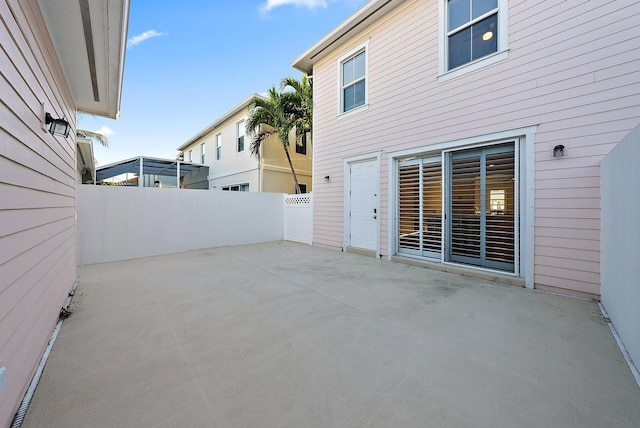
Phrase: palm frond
[299,104]
[277,114]
[102,139]
[256,143]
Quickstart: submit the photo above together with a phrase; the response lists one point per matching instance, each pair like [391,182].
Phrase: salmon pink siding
[573,71]
[37,207]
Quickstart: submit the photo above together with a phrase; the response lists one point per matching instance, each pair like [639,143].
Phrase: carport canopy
[142,165]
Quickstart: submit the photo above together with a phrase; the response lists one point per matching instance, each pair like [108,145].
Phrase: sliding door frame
[523,139]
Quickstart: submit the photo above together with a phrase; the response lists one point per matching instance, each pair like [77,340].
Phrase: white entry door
[363,204]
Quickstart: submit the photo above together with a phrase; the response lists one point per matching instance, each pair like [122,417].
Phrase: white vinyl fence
[119,223]
[620,240]
[298,218]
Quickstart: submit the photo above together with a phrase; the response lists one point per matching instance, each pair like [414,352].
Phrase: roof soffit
[90,38]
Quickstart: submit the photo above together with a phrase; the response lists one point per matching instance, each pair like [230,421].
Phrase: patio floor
[289,335]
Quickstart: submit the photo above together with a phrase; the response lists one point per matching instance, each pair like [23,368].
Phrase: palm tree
[301,104]
[271,116]
[102,139]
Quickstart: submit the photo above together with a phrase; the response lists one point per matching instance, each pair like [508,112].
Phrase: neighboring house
[224,147]
[54,60]
[469,134]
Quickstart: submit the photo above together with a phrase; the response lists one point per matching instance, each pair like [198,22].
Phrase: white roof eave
[235,110]
[90,38]
[365,16]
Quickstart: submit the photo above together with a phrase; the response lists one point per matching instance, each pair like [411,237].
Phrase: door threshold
[361,251]
[463,270]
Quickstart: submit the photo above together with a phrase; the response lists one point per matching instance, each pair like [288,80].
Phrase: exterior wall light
[58,126]
[558,151]
[326,178]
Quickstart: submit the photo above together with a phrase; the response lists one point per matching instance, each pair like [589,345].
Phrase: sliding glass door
[480,207]
[420,207]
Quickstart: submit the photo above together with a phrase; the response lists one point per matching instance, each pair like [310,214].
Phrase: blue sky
[190,62]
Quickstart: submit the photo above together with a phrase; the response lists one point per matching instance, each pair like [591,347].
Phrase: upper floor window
[302,146]
[472,30]
[240,135]
[202,153]
[190,157]
[218,146]
[353,80]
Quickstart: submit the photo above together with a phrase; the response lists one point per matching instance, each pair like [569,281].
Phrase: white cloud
[105,131]
[135,40]
[311,4]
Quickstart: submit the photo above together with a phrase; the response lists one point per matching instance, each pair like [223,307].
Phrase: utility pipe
[28,396]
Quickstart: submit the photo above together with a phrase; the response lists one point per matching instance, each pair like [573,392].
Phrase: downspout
[141,173]
[260,172]
[28,396]
[260,166]
[178,175]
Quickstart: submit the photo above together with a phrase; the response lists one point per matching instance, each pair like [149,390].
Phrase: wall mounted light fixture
[558,151]
[58,126]
[326,178]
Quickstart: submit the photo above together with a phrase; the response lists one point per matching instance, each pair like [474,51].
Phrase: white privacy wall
[119,223]
[620,240]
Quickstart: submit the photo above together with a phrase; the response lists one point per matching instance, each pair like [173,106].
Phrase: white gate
[298,218]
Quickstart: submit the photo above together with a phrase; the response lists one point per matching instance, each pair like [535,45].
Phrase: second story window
[218,146]
[190,157]
[202,153]
[473,34]
[302,146]
[353,81]
[472,30]
[240,134]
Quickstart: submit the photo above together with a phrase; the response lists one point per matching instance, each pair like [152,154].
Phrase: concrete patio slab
[289,335]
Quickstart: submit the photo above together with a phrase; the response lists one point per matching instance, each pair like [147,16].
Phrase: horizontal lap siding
[37,196]
[572,70]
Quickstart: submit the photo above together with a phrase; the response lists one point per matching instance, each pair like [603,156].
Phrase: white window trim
[501,54]
[203,147]
[227,187]
[364,47]
[238,136]
[218,139]
[190,156]
[526,165]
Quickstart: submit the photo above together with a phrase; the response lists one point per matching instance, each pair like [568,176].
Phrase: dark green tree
[301,104]
[271,116]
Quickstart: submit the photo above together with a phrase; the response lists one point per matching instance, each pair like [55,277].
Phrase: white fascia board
[213,125]
[366,15]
